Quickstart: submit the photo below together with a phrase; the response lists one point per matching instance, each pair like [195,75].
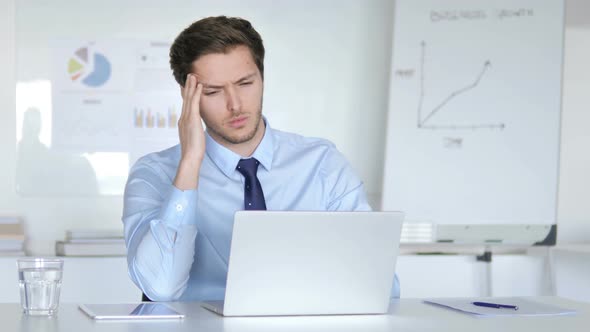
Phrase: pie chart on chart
[89,68]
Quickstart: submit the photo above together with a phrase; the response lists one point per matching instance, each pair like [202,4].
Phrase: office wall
[47,218]
[325,94]
[326,73]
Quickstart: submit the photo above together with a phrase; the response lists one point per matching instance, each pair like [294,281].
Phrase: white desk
[405,315]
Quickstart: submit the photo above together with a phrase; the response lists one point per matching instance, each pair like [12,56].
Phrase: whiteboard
[474,111]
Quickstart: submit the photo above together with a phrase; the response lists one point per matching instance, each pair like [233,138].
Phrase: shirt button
[178,207]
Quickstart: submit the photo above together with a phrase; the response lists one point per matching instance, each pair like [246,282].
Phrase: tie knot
[248,167]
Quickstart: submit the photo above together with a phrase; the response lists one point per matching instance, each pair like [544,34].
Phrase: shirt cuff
[180,207]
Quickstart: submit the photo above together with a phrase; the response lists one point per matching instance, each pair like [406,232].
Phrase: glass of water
[40,282]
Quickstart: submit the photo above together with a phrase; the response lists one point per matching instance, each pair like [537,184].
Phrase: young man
[180,202]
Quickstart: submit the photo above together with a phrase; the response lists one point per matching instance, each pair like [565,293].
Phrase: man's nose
[234,104]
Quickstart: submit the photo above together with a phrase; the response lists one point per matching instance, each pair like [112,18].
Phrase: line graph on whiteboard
[426,116]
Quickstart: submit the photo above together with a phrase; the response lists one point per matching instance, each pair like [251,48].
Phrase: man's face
[231,103]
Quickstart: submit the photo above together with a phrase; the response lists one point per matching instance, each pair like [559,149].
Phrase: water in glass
[39,290]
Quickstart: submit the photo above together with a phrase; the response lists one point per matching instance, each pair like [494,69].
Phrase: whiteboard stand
[551,271]
[486,258]
[503,238]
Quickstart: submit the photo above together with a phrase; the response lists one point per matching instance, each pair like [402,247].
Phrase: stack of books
[12,237]
[92,242]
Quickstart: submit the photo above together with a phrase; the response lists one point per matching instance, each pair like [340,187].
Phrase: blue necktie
[253,195]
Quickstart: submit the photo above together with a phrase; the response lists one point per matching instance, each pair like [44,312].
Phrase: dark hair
[218,34]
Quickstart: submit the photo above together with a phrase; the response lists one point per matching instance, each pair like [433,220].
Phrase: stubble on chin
[218,132]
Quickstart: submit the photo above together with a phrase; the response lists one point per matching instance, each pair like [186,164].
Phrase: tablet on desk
[133,311]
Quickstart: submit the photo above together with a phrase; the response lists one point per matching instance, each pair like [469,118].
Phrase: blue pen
[495,305]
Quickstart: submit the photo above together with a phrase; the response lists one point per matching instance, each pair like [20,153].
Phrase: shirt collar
[227,160]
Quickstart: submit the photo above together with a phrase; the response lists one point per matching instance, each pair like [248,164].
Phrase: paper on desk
[526,307]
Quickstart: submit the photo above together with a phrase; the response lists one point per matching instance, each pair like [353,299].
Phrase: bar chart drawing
[144,118]
[424,117]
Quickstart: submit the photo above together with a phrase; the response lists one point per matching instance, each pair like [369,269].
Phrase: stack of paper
[91,242]
[12,237]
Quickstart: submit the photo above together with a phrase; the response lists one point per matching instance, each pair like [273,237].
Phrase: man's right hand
[191,135]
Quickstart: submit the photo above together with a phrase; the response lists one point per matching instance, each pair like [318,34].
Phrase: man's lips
[238,122]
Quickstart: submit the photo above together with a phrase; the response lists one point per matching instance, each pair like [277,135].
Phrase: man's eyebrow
[212,86]
[247,77]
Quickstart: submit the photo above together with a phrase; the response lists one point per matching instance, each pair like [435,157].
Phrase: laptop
[285,263]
